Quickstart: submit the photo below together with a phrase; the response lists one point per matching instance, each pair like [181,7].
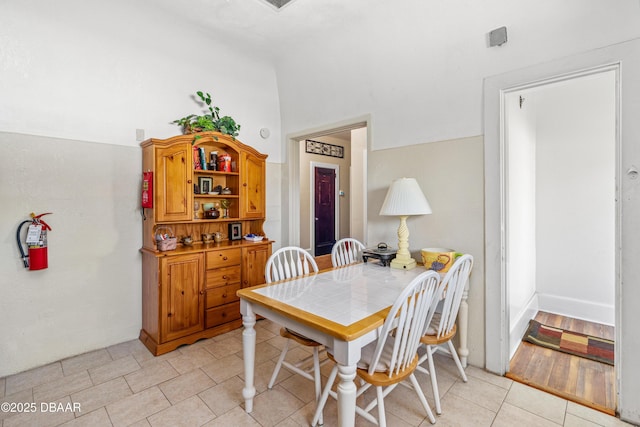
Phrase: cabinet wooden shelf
[189,293]
[216,196]
[212,172]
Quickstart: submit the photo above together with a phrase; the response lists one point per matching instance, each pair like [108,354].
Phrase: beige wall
[450,174]
[90,296]
[306,192]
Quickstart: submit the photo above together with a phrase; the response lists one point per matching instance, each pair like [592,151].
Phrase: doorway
[351,189]
[560,170]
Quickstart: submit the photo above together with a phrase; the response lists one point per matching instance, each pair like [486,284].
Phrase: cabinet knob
[189,182]
[168,314]
[224,295]
[201,292]
[244,185]
[224,258]
[225,277]
[182,292]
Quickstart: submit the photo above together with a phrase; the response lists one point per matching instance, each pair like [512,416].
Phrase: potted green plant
[210,121]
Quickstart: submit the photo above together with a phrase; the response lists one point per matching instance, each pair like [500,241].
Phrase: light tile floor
[201,385]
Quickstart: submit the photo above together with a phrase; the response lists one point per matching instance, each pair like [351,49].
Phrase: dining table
[342,308]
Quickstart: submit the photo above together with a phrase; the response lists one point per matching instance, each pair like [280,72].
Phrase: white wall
[417,67]
[82,77]
[576,197]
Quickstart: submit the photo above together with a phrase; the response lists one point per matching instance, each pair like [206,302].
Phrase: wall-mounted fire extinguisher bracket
[36,241]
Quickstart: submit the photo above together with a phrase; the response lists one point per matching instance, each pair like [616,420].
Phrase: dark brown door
[325,210]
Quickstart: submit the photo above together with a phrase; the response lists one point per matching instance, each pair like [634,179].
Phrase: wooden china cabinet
[189,292]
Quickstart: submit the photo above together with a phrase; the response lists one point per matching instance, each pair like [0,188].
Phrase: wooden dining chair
[346,251]
[393,357]
[443,328]
[286,263]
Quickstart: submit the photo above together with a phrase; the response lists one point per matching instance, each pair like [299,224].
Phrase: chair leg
[454,354]
[316,379]
[423,400]
[382,419]
[325,395]
[278,365]
[434,381]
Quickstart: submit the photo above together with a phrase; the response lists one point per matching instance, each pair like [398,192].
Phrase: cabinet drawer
[222,295]
[224,258]
[222,276]
[219,315]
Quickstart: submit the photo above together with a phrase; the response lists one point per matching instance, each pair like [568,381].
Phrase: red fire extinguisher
[37,258]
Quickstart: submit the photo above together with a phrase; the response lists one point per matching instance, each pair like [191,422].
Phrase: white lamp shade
[405,198]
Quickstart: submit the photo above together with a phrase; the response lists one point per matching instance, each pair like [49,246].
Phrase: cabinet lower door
[254,261]
[182,301]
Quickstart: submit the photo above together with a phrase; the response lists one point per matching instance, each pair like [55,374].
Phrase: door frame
[312,201]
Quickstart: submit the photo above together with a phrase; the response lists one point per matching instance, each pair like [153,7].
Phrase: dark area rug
[582,345]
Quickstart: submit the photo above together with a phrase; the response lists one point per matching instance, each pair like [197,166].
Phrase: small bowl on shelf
[253,238]
[212,214]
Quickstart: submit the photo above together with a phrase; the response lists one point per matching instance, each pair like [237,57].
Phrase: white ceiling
[257,25]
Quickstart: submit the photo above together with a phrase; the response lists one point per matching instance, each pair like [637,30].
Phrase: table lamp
[404,198]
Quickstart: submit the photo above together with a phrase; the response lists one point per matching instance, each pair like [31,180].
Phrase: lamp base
[403,264]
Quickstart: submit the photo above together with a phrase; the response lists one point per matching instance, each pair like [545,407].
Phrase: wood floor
[574,378]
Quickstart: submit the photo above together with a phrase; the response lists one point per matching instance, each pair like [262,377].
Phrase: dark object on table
[382,252]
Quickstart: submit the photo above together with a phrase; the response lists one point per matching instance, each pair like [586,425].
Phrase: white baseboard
[578,309]
[520,323]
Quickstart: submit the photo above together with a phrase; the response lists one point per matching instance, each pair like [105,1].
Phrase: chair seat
[382,379]
[301,339]
[433,339]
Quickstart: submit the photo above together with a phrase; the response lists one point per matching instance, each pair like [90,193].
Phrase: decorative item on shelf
[224,162]
[187,241]
[253,237]
[438,259]
[226,190]
[196,210]
[208,122]
[224,204]
[235,231]
[212,213]
[217,189]
[203,159]
[165,239]
[197,165]
[206,184]
[207,237]
[404,198]
[218,237]
[213,161]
